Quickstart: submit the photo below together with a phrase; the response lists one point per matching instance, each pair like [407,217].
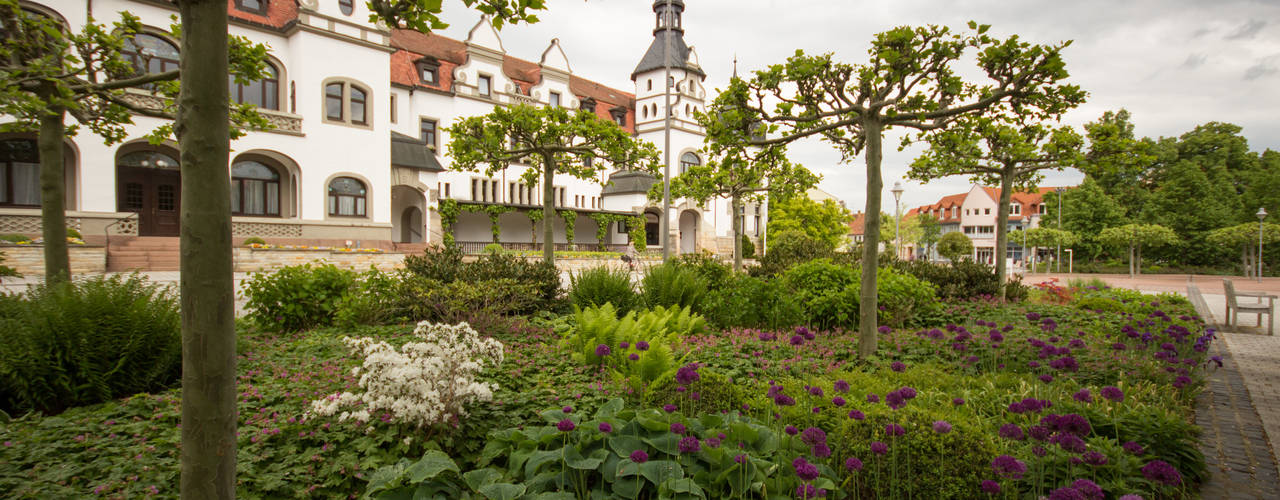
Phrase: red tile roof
[858,224]
[413,46]
[278,14]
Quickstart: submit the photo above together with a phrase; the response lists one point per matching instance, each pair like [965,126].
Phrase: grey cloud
[1247,30]
[1263,67]
[1200,32]
[1194,61]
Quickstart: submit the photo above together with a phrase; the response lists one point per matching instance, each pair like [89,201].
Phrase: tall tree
[737,172]
[930,232]
[1134,237]
[1002,150]
[908,83]
[827,221]
[552,140]
[955,246]
[1121,163]
[1192,202]
[1086,211]
[1245,238]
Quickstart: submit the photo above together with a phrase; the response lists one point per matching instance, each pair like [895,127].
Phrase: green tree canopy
[1244,237]
[551,140]
[826,221]
[955,246]
[930,232]
[1048,237]
[1086,211]
[1136,236]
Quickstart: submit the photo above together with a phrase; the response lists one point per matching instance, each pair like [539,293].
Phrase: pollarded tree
[738,172]
[552,140]
[1001,150]
[1086,211]
[907,83]
[955,246]
[1048,238]
[1136,236]
[1245,237]
[930,232]
[51,73]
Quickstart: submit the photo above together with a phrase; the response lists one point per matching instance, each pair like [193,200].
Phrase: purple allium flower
[1039,451]
[1069,442]
[1072,423]
[565,425]
[567,409]
[634,357]
[907,393]
[1131,496]
[1133,448]
[817,410]
[1008,467]
[852,464]
[1012,431]
[740,458]
[1033,364]
[1046,378]
[1089,488]
[1083,396]
[642,346]
[815,390]
[1039,432]
[687,374]
[898,366]
[681,388]
[879,448]
[805,470]
[872,398]
[602,350]
[689,445]
[1066,493]
[802,331]
[791,430]
[1113,393]
[624,344]
[990,487]
[821,450]
[783,400]
[1033,316]
[958,401]
[797,340]
[669,408]
[856,415]
[678,428]
[884,329]
[895,400]
[1216,359]
[838,401]
[812,436]
[1159,471]
[843,387]
[1094,458]
[712,442]
[606,427]
[894,430]
[1181,381]
[941,427]
[808,491]
[639,456]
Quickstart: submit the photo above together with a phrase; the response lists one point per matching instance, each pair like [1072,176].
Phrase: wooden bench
[1202,307]
[1234,308]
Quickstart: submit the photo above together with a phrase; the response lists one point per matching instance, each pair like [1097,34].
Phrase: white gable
[483,35]
[555,58]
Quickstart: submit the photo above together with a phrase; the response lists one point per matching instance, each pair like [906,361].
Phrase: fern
[662,328]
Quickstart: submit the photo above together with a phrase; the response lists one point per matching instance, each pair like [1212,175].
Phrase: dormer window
[619,117]
[588,104]
[429,72]
[252,6]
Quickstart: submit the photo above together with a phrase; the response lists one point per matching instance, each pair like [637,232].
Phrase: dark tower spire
[667,25]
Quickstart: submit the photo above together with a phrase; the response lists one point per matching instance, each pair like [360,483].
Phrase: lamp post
[1058,259]
[897,221]
[664,226]
[1262,214]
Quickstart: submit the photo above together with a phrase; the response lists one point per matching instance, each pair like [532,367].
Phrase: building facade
[357,155]
[974,214]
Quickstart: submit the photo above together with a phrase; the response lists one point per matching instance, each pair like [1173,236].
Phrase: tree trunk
[1138,260]
[548,208]
[1002,227]
[208,301]
[1131,254]
[867,305]
[736,203]
[53,214]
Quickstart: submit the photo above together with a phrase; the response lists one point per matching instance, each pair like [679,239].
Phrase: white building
[974,214]
[358,150]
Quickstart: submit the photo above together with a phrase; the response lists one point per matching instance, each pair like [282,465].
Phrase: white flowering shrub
[424,383]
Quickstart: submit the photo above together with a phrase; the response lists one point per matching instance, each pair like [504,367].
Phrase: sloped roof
[857,225]
[411,152]
[629,182]
[679,55]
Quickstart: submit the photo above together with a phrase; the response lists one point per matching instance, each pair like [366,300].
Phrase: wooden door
[155,195]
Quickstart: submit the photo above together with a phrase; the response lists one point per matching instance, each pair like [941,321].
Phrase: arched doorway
[148,183]
[411,225]
[652,228]
[688,231]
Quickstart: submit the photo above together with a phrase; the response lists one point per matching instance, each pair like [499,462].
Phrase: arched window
[346,6]
[19,173]
[255,189]
[347,197]
[150,54]
[147,159]
[264,93]
[346,102]
[688,160]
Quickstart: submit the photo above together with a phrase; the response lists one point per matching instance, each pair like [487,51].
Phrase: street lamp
[1262,214]
[897,222]
[1059,258]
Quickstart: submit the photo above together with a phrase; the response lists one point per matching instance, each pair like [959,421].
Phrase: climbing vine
[570,218]
[535,216]
[635,230]
[449,210]
[606,220]
[494,212]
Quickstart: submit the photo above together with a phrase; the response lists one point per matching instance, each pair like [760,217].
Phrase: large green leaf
[432,463]
[554,495]
[387,477]
[685,485]
[584,463]
[628,487]
[666,443]
[540,458]
[659,471]
[607,410]
[502,491]
[481,477]
[625,445]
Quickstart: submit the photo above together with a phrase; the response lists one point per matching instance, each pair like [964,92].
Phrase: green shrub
[374,298]
[962,279]
[902,297]
[74,233]
[427,299]
[85,342]
[955,246]
[672,285]
[254,240]
[296,297]
[711,269]
[440,263]
[493,248]
[711,393]
[14,238]
[541,277]
[6,271]
[789,248]
[823,291]
[749,302]
[602,285]
[748,248]
[662,329]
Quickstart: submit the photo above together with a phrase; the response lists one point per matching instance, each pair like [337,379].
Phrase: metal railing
[106,238]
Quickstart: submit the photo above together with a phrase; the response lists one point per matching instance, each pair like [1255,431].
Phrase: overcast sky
[1173,64]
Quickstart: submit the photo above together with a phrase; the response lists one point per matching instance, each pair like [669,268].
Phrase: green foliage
[1086,211]
[1138,236]
[635,231]
[602,285]
[827,222]
[295,298]
[570,219]
[789,248]
[437,263]
[449,212]
[962,279]
[1048,237]
[604,221]
[672,285]
[661,328]
[374,298]
[712,270]
[955,246]
[828,293]
[446,265]
[6,271]
[495,213]
[72,344]
[15,238]
[750,302]
[425,17]
[748,248]
[254,240]
[710,394]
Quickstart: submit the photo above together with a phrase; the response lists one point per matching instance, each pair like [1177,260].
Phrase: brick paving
[1234,439]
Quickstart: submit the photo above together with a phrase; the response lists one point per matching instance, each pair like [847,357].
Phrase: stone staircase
[143,253]
[410,248]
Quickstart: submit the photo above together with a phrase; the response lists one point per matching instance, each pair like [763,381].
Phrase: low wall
[29,259]
[256,259]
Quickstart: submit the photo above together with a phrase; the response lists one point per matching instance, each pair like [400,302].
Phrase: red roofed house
[974,213]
